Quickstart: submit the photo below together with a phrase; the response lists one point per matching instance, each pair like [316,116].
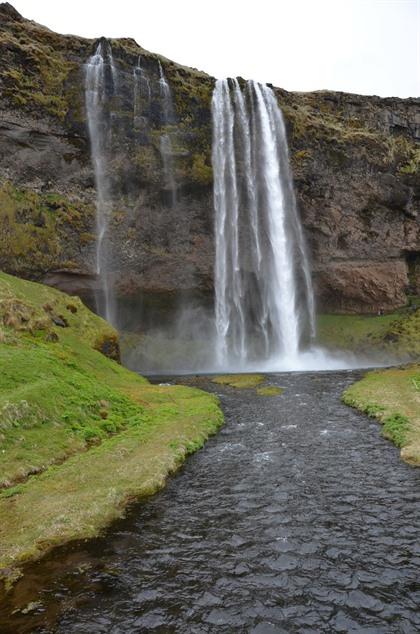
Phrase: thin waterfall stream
[142,93]
[100,83]
[166,148]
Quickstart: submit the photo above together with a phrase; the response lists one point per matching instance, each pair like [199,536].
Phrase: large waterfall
[264,308]
[264,300]
[100,82]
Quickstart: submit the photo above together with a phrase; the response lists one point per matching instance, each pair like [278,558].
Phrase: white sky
[360,46]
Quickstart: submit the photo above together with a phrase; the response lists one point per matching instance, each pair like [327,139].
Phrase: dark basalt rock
[355,159]
[60,321]
[7,10]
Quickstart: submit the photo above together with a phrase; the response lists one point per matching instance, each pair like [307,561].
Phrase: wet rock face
[356,163]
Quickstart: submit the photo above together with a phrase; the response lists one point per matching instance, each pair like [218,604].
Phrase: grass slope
[395,334]
[393,397]
[80,436]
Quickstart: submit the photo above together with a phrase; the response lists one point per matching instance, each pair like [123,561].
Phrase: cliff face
[356,164]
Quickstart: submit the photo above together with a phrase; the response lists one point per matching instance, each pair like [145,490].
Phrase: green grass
[350,331]
[52,404]
[393,397]
[396,334]
[396,428]
[240,381]
[248,381]
[80,435]
[269,390]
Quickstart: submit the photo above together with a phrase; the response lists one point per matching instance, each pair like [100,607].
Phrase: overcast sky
[361,46]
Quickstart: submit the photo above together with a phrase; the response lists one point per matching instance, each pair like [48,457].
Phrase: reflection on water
[297,517]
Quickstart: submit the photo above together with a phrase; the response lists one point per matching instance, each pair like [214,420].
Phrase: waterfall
[142,92]
[166,98]
[100,84]
[263,292]
[166,150]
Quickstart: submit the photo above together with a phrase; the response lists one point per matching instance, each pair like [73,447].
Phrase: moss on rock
[36,66]
[201,172]
[34,228]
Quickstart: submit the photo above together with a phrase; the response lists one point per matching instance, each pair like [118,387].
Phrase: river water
[296,517]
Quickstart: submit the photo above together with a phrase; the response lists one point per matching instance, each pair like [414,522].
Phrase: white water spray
[264,298]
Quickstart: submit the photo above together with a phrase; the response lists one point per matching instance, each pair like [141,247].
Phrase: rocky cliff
[356,164]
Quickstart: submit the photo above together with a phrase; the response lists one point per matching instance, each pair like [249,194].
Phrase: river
[296,517]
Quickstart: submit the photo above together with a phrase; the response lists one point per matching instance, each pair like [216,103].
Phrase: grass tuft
[270,390]
[396,428]
[240,381]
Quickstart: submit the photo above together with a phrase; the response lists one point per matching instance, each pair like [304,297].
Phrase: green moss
[269,390]
[413,165]
[241,381]
[36,70]
[108,345]
[311,117]
[201,172]
[80,436]
[34,228]
[192,93]
[190,88]
[301,156]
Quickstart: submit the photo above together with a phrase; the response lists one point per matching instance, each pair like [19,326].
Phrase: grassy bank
[394,335]
[80,436]
[393,397]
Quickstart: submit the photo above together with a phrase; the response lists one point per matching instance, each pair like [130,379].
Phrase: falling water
[166,150]
[100,82]
[166,98]
[264,298]
[142,92]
